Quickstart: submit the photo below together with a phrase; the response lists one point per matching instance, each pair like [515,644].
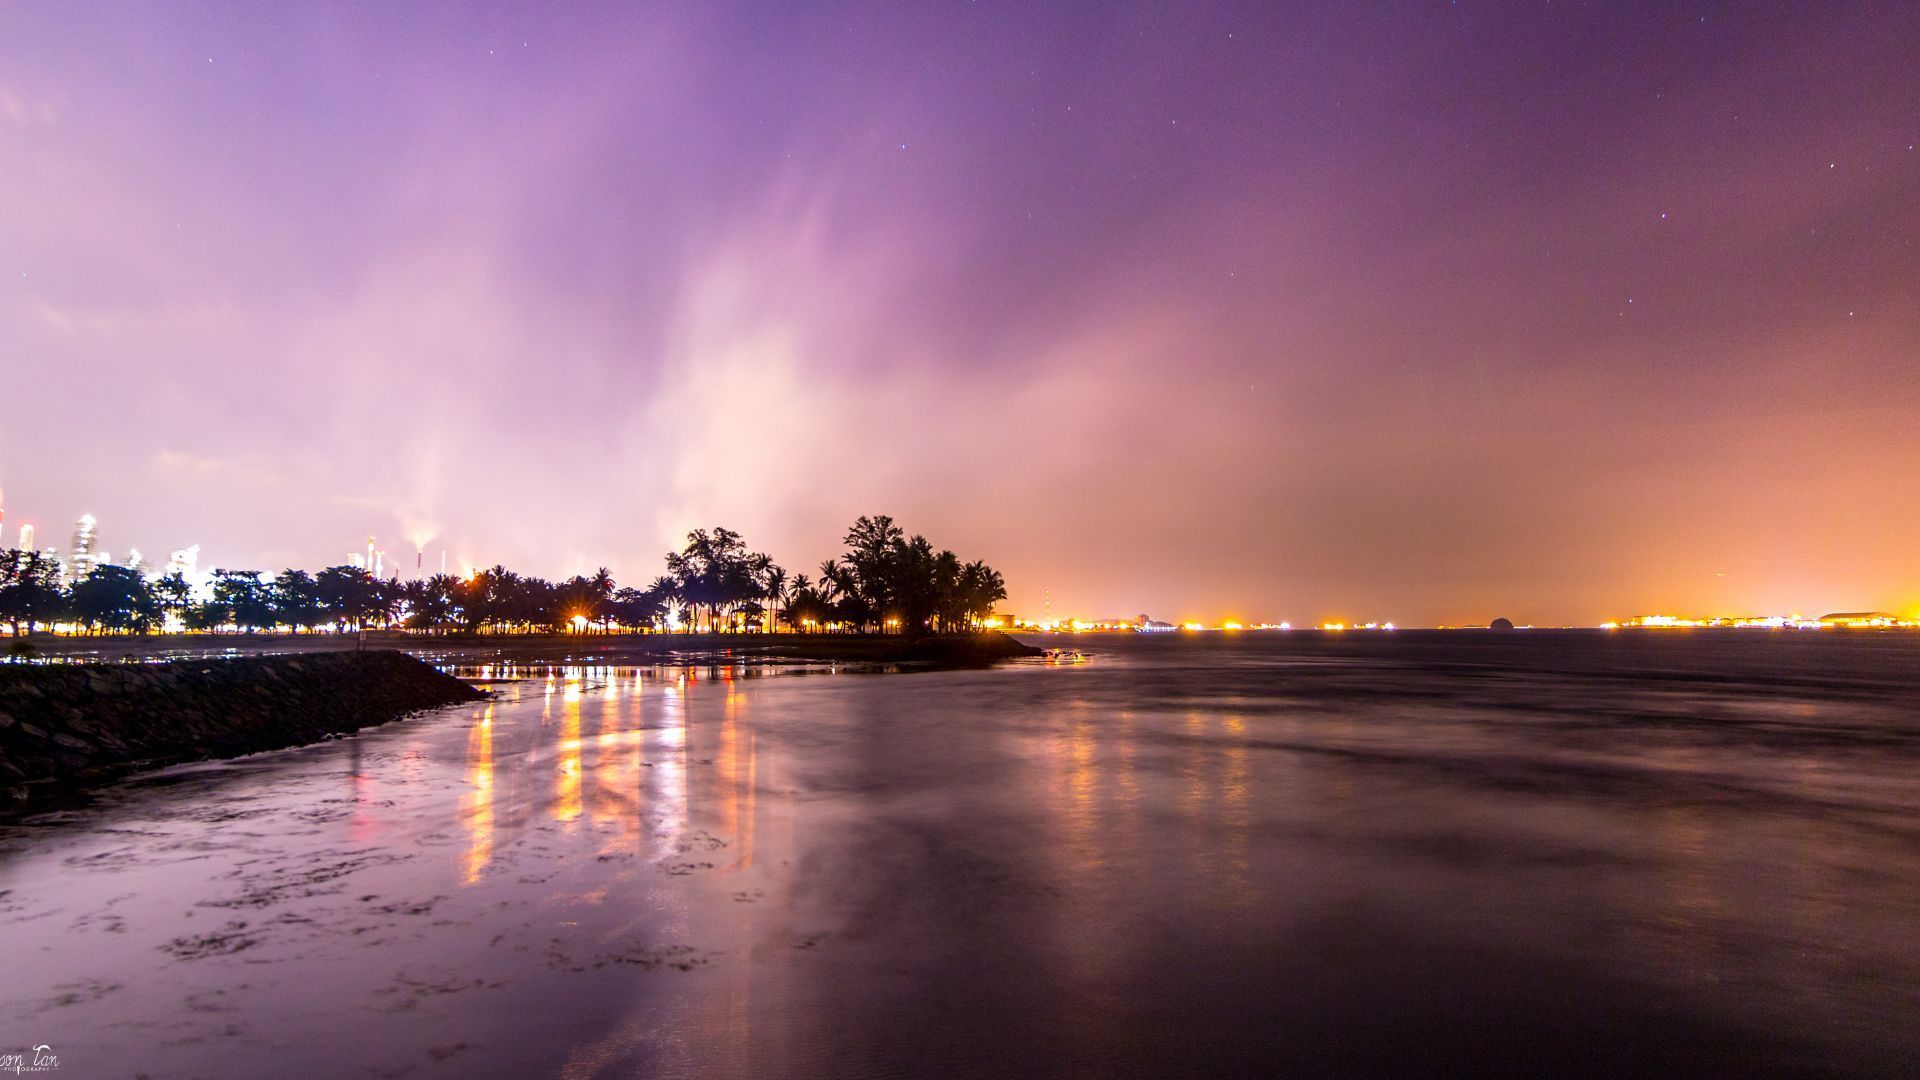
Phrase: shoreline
[950,650]
[109,707]
[65,727]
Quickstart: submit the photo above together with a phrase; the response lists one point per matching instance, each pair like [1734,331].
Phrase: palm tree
[768,583]
[773,577]
[601,585]
[667,591]
[432,602]
[981,587]
[949,607]
[835,580]
[808,606]
[800,586]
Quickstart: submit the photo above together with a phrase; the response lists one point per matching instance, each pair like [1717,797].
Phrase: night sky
[1427,312]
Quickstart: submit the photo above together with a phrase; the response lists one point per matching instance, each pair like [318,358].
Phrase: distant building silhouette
[1858,618]
[82,555]
[184,561]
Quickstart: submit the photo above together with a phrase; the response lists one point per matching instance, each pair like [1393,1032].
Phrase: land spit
[67,724]
[945,650]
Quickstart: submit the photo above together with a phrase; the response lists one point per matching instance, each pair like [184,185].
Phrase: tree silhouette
[432,602]
[807,606]
[885,580]
[296,600]
[715,573]
[348,596]
[981,587]
[601,586]
[115,598]
[174,593]
[240,599]
[29,590]
[773,584]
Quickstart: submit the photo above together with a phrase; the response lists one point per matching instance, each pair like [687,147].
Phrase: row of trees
[884,582]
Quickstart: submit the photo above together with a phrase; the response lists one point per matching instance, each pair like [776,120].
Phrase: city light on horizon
[373,558]
[186,560]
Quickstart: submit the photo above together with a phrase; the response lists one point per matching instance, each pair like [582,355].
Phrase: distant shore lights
[1843,620]
[1145,625]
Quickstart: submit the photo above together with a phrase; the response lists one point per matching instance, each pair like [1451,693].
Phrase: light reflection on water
[478,812]
[1316,858]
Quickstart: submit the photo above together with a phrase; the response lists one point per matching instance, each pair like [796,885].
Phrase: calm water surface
[1521,855]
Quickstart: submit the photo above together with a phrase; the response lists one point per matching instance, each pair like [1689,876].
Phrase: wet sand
[1304,858]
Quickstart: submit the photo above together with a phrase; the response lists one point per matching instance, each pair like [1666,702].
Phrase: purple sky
[1427,311]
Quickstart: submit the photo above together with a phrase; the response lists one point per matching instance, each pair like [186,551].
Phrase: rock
[172,712]
[1500,624]
[110,743]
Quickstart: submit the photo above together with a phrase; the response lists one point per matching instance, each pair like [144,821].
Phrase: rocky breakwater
[74,723]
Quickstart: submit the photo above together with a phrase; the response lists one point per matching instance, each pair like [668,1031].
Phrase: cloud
[21,110]
[792,389]
[206,472]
